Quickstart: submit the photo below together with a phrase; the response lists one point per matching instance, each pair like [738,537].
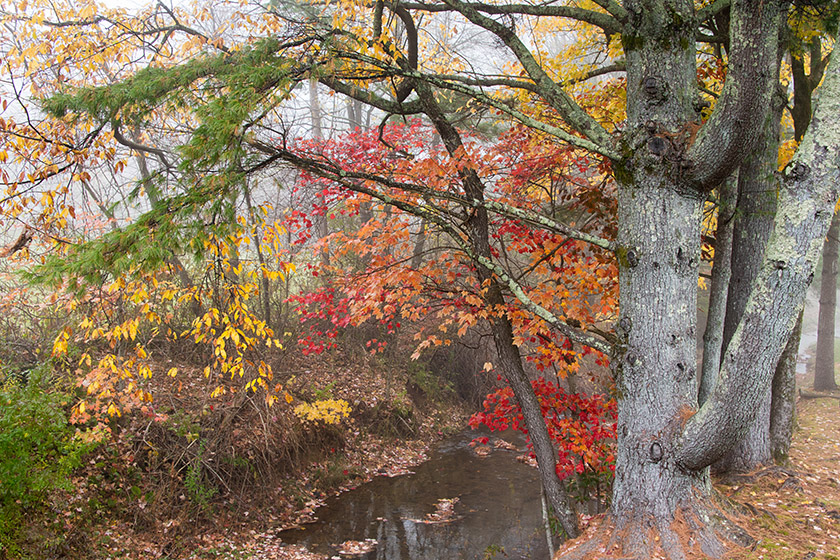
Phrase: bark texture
[757,194]
[661,191]
[806,206]
[718,288]
[824,365]
[783,401]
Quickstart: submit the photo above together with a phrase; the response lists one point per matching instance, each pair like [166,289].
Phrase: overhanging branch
[346,180]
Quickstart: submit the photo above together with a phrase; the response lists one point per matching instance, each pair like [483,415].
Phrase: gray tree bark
[419,246]
[806,205]
[665,161]
[756,210]
[664,445]
[783,400]
[824,365]
[659,256]
[718,288]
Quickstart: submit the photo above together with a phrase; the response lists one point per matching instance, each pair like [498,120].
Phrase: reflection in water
[499,509]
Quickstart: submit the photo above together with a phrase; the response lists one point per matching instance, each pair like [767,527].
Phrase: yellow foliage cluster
[329,411]
[128,317]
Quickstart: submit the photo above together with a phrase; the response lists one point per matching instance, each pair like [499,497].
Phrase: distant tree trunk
[320,218]
[265,284]
[824,367]
[419,246]
[354,114]
[173,260]
[718,288]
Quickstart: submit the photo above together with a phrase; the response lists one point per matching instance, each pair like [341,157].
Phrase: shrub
[38,450]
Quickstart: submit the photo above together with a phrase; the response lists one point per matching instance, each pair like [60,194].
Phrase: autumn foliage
[582,426]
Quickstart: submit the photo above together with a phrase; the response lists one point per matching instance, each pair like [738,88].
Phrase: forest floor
[794,512]
[392,425]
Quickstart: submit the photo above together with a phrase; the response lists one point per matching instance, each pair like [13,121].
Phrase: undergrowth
[38,451]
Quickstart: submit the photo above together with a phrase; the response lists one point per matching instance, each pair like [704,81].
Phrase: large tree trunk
[657,375]
[662,497]
[659,258]
[757,194]
[824,366]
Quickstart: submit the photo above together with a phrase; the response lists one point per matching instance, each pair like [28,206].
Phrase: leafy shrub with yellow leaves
[329,411]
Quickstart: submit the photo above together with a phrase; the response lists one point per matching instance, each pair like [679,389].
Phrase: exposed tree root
[700,529]
[737,479]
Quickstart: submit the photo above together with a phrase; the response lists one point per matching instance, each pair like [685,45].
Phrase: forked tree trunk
[663,502]
[757,194]
[659,259]
[824,365]
[806,203]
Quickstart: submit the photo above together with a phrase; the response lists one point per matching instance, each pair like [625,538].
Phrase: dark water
[498,511]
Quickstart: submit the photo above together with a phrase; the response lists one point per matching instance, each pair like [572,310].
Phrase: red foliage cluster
[583,427]
[326,313]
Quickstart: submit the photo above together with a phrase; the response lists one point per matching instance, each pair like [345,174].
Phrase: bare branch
[118,136]
[550,91]
[609,24]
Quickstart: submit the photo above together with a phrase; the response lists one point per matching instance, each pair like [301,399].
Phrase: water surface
[498,514]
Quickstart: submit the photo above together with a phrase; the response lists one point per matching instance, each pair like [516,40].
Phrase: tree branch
[742,107]
[609,24]
[369,98]
[118,136]
[525,119]
[553,94]
[345,179]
